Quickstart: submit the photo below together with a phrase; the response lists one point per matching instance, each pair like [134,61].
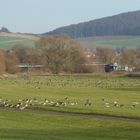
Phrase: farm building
[116,67]
[26,67]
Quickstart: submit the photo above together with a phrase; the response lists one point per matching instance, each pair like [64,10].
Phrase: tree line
[56,54]
[61,54]
[126,57]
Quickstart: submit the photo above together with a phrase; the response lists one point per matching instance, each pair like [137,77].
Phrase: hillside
[9,40]
[122,24]
[90,43]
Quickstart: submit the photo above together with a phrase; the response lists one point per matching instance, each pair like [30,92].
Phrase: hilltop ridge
[121,24]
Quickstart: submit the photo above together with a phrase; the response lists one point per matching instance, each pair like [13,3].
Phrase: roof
[29,66]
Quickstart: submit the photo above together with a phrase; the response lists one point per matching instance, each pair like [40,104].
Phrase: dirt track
[93,116]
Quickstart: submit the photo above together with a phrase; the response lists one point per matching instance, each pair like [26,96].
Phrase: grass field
[90,42]
[112,41]
[78,89]
[9,42]
[30,126]
[99,90]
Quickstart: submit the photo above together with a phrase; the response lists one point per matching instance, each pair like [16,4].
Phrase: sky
[39,16]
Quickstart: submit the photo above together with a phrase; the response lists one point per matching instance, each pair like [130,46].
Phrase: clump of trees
[11,62]
[62,54]
[126,56]
[56,54]
[27,55]
[131,57]
[105,55]
[8,62]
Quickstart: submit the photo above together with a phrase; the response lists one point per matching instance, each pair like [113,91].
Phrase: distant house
[89,54]
[116,67]
[109,68]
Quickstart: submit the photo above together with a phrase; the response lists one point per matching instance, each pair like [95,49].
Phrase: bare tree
[128,57]
[2,62]
[105,55]
[61,53]
[21,52]
[11,62]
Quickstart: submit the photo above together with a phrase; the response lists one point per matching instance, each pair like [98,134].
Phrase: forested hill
[122,24]
[4,29]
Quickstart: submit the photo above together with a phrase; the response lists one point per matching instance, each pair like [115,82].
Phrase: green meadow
[30,126]
[101,91]
[89,42]
[9,42]
[111,41]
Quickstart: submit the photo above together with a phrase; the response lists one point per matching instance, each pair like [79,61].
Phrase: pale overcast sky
[39,16]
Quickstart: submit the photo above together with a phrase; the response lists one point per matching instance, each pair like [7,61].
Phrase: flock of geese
[55,81]
[26,103]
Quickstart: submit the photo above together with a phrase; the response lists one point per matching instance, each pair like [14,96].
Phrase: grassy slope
[115,42]
[91,42]
[29,126]
[78,89]
[9,42]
